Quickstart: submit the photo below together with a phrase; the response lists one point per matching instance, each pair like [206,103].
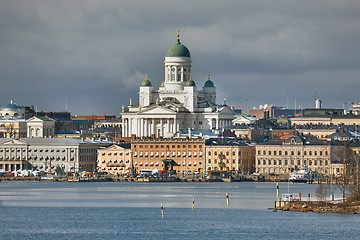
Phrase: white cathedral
[177,105]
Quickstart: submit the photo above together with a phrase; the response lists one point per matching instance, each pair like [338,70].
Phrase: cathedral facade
[177,104]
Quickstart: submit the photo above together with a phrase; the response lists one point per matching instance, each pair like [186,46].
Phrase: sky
[90,56]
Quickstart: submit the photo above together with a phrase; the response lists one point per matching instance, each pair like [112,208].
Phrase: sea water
[124,210]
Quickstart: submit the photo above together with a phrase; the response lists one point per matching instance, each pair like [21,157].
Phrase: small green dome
[209,83]
[178,49]
[190,82]
[146,82]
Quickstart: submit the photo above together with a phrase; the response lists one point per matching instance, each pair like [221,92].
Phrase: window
[209,153]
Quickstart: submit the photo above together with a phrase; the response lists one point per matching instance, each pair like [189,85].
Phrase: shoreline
[322,207]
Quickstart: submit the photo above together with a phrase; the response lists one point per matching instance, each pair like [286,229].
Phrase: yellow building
[181,155]
[229,155]
[286,155]
[116,159]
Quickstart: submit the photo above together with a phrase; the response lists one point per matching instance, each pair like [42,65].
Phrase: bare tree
[323,192]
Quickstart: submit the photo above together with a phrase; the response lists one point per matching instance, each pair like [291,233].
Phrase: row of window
[168,154]
[292,162]
[227,153]
[34,150]
[166,146]
[115,161]
[224,161]
[115,154]
[292,153]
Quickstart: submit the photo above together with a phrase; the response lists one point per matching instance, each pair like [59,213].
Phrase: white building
[47,154]
[177,104]
[43,127]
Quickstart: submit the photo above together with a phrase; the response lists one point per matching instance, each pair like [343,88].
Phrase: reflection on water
[246,195]
[83,211]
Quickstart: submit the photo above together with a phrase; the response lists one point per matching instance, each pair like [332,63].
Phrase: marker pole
[162,211]
[227,199]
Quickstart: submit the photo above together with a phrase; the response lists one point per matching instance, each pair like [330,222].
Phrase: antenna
[287,101]
[66,104]
[246,106]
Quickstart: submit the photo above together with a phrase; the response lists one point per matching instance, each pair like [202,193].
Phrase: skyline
[92,56]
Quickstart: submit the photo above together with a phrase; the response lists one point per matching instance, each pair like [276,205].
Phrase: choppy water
[41,210]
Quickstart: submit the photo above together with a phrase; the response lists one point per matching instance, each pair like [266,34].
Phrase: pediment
[226,110]
[39,119]
[157,110]
[12,142]
[115,148]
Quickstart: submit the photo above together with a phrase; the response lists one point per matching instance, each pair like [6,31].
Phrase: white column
[161,128]
[168,125]
[176,74]
[130,127]
[123,131]
[142,127]
[152,127]
[217,123]
[146,128]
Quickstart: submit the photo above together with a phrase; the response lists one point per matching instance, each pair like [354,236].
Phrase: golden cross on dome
[178,35]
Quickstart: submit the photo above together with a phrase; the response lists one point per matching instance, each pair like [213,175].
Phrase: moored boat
[304,175]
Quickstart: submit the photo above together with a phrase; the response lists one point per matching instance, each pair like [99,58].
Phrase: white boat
[303,175]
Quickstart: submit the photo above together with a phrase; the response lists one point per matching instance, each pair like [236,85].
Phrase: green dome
[190,82]
[178,50]
[209,83]
[146,82]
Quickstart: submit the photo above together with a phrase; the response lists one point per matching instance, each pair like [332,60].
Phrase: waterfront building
[224,154]
[115,159]
[47,154]
[282,156]
[179,154]
[177,104]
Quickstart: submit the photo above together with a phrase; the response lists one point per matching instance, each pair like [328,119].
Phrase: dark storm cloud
[94,54]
